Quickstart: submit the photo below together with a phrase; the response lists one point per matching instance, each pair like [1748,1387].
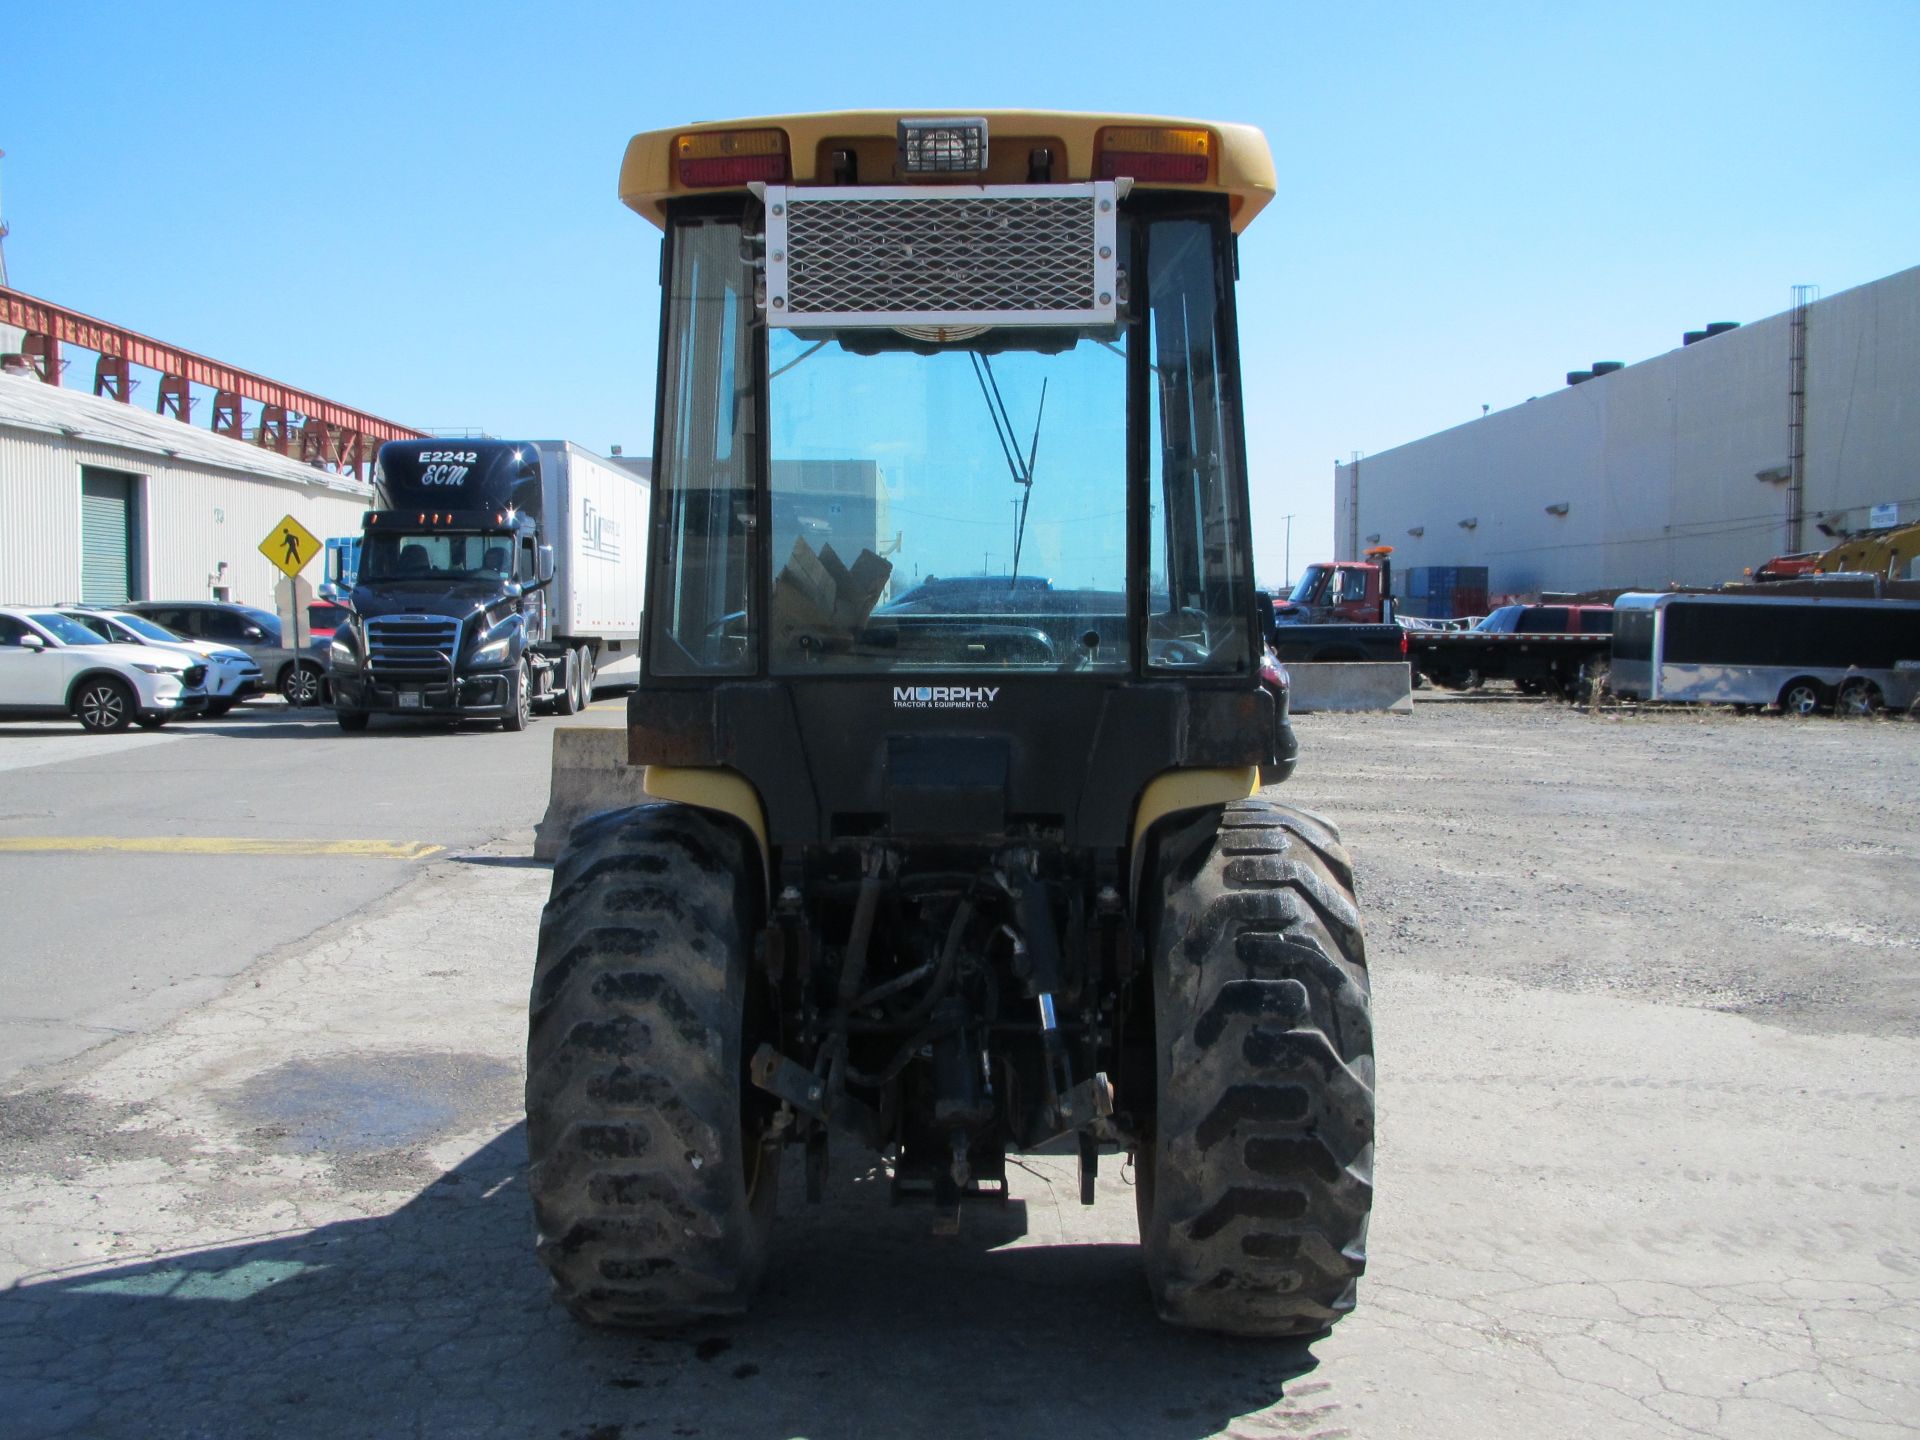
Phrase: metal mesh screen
[947,255]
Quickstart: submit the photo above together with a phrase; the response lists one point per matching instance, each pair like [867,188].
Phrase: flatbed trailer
[1539,664]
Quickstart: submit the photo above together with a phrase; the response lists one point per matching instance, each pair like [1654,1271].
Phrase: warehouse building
[1691,468]
[106,503]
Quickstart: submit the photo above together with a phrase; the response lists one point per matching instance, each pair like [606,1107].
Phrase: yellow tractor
[954,717]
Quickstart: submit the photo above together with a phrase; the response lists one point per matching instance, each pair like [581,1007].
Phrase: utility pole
[3,235]
[1353,509]
[1803,298]
[1289,551]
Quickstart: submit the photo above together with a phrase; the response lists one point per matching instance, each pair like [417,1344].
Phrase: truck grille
[907,256]
[411,647]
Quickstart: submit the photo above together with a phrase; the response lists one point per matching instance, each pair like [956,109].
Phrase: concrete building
[105,503]
[1680,468]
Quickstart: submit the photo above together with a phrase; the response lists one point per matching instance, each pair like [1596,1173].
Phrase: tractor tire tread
[1263,1161]
[634,1073]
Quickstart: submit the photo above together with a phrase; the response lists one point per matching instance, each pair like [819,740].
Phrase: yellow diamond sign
[290,545]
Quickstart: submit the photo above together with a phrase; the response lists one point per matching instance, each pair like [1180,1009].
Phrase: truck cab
[450,608]
[1342,591]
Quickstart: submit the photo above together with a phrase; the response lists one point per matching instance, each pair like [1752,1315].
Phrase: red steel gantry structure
[292,422]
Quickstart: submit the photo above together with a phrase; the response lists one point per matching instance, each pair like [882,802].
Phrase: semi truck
[496,579]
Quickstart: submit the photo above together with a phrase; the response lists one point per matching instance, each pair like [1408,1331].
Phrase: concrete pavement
[123,906]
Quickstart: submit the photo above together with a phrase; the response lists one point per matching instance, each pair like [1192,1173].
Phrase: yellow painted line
[217,845]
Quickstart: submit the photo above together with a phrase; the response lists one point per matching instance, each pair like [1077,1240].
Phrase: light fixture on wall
[1470,523]
[1374,539]
[1778,475]
[1559,507]
[1417,531]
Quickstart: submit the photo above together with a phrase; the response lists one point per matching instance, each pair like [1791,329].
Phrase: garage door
[106,537]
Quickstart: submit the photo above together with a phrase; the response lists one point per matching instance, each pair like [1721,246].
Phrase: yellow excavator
[1892,554]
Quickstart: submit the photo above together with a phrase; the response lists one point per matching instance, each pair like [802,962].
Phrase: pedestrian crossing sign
[290,545]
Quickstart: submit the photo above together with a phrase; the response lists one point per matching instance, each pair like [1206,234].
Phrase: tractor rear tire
[653,1191]
[1256,1179]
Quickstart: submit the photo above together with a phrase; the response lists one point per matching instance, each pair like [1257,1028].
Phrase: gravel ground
[1744,863]
[1644,1005]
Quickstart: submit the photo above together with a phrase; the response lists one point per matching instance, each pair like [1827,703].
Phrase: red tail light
[1153,153]
[715,158]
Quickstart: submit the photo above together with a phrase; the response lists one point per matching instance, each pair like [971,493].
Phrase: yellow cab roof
[1241,168]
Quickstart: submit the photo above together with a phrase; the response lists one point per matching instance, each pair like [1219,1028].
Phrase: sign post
[291,547]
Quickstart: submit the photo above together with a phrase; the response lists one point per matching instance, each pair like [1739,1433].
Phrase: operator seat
[413,560]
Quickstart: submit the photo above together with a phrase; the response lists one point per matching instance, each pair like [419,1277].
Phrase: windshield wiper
[1009,446]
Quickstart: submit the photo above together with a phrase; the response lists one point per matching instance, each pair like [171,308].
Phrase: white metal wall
[1656,464]
[192,517]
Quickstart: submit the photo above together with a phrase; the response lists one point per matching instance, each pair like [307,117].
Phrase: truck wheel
[583,667]
[1256,1178]
[519,711]
[566,694]
[1592,683]
[352,721]
[653,1190]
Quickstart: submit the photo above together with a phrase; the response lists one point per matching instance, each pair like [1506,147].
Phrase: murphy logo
[943,697]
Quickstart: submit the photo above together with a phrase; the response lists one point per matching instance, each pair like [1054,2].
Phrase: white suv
[53,666]
[232,674]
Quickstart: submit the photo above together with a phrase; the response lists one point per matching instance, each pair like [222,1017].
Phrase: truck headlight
[342,653]
[494,652]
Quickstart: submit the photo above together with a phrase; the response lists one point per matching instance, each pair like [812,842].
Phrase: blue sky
[410,207]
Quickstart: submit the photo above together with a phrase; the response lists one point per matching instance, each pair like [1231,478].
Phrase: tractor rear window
[951,506]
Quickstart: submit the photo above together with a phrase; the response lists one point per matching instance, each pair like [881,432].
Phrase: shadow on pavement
[434,1319]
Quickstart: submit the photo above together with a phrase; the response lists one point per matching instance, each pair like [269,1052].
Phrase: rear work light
[943,147]
[1151,152]
[731,157]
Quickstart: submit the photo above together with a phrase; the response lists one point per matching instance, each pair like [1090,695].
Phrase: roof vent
[1720,327]
[1692,336]
[1607,367]
[1579,377]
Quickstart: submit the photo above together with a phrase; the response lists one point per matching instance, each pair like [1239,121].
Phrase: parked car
[294,675]
[51,666]
[323,618]
[232,674]
[1548,620]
